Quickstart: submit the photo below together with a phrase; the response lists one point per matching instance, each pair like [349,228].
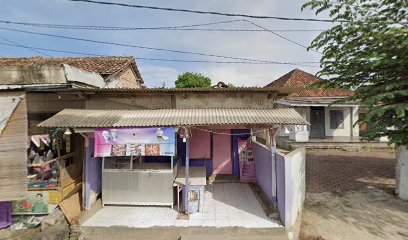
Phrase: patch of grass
[366,148]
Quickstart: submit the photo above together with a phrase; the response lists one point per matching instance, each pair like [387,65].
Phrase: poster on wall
[246,161]
[157,141]
[35,202]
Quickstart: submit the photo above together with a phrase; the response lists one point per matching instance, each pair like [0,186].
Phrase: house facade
[70,72]
[29,94]
[328,119]
[170,142]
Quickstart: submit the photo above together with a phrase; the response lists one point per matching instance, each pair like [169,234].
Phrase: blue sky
[256,45]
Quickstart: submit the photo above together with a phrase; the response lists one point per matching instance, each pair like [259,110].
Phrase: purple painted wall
[93,173]
[263,169]
[280,187]
[5,214]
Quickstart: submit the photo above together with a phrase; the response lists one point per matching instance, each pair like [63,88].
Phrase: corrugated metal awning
[84,118]
[8,102]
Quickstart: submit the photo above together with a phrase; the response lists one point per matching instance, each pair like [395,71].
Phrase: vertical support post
[187,173]
[87,185]
[273,132]
[211,154]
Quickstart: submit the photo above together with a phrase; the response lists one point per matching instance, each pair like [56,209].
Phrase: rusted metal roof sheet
[8,102]
[84,118]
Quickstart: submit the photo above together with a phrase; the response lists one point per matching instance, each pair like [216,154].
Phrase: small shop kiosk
[139,165]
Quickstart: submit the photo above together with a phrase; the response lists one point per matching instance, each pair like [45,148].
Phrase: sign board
[157,141]
[35,202]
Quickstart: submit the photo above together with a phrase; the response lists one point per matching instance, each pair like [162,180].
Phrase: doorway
[317,122]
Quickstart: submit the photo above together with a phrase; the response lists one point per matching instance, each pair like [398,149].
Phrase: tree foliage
[192,80]
[367,51]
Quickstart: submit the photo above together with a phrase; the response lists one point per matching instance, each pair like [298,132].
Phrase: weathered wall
[127,79]
[13,163]
[210,100]
[41,106]
[31,75]
[226,100]
[129,102]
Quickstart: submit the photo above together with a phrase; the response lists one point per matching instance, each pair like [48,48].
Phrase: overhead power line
[192,27]
[138,46]
[203,12]
[305,64]
[278,35]
[20,45]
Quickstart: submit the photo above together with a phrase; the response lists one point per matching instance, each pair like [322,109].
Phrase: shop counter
[197,181]
[126,182]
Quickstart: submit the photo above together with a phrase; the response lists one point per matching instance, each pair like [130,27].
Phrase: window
[336,119]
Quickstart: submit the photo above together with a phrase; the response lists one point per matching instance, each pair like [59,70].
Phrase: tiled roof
[317,101]
[101,64]
[298,79]
[280,91]
[84,118]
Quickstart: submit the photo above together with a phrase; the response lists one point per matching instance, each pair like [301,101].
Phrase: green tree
[192,80]
[366,50]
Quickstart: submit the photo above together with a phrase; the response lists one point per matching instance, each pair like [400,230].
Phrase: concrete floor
[225,205]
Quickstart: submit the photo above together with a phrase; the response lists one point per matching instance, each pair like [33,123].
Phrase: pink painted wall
[222,160]
[199,144]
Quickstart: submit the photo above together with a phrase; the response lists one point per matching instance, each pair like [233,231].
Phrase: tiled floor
[225,205]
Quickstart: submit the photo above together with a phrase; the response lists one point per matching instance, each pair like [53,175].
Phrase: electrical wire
[278,35]
[168,28]
[204,12]
[138,46]
[305,64]
[26,47]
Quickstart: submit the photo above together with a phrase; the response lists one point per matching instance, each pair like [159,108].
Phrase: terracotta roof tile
[300,79]
[101,64]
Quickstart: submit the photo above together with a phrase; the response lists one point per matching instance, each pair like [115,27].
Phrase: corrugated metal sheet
[172,117]
[137,187]
[13,150]
[8,102]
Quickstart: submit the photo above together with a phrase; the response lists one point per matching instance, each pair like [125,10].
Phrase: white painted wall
[346,131]
[297,132]
[402,172]
[355,128]
[295,185]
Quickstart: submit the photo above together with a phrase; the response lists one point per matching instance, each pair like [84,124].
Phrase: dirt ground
[350,195]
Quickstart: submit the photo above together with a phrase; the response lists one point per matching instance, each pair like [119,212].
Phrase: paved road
[350,195]
[339,171]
